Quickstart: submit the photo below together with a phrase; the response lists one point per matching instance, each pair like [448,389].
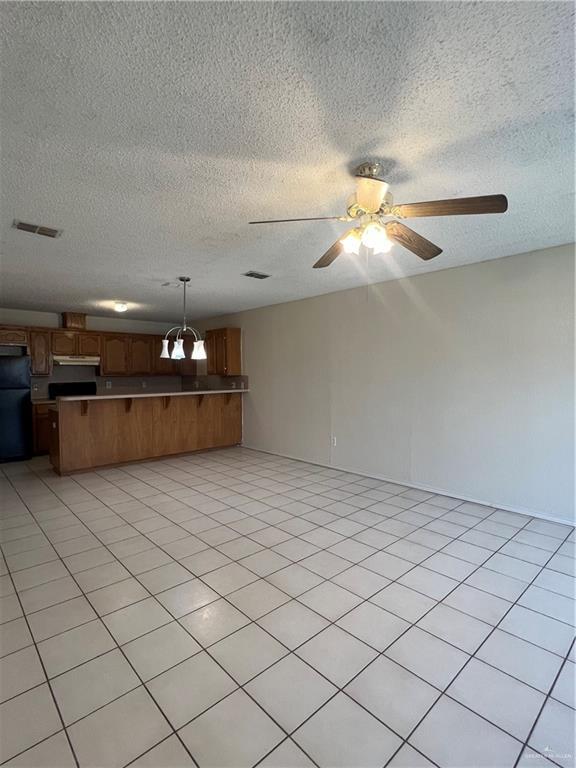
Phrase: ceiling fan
[377,226]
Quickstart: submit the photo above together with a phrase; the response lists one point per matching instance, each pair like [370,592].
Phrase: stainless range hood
[76,360]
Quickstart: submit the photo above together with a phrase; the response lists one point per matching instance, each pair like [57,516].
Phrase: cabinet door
[223,351]
[9,335]
[215,352]
[89,344]
[187,366]
[40,352]
[42,427]
[115,355]
[140,355]
[63,342]
[162,366]
[233,354]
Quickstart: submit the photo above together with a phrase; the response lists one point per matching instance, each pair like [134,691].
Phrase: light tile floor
[235,609]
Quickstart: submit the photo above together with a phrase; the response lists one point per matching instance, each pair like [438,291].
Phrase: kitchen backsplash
[214,382]
[117,385]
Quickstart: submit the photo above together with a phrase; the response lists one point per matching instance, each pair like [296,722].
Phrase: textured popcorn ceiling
[153,132]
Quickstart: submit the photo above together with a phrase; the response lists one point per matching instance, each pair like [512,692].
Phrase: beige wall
[461,381]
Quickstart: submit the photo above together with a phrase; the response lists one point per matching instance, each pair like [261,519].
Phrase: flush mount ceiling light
[378,228]
[199,352]
[120,306]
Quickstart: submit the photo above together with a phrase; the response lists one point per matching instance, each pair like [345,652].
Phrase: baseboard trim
[431,489]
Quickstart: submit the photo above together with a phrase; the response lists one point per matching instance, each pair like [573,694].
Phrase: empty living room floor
[235,608]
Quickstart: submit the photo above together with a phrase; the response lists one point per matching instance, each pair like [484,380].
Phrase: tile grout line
[547,697]
[119,648]
[352,565]
[471,656]
[176,731]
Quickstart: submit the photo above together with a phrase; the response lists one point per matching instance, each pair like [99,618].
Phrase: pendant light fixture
[199,352]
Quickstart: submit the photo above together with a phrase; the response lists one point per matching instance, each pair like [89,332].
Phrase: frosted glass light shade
[199,352]
[178,351]
[374,237]
[351,243]
[165,351]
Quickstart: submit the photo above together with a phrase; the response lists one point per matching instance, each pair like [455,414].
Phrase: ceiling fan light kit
[379,227]
[199,351]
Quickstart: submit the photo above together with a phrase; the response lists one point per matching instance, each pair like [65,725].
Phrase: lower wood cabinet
[41,428]
[100,432]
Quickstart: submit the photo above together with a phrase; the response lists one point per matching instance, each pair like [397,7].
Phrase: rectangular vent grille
[256,275]
[36,229]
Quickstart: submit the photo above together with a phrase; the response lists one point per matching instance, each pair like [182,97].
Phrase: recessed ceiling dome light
[120,306]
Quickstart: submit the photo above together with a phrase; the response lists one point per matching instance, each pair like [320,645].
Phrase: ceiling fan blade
[314,218]
[459,206]
[411,240]
[331,254]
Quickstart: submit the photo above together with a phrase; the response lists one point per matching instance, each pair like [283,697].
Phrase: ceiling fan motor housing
[371,188]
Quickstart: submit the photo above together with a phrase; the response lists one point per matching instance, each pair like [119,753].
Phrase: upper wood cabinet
[40,352]
[63,342]
[162,365]
[89,344]
[125,354]
[115,355]
[187,366]
[223,352]
[140,356]
[10,335]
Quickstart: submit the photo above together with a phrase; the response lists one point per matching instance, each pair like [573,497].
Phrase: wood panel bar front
[99,432]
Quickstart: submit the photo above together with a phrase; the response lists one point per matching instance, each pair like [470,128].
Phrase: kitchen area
[92,398]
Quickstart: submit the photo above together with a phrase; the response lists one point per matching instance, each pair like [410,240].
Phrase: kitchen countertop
[193,392]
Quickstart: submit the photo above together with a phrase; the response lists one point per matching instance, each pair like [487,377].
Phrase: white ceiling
[151,133]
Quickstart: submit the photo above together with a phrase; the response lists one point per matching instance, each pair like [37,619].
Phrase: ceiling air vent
[36,229]
[256,275]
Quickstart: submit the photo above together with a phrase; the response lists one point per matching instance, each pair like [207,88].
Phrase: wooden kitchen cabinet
[10,335]
[89,344]
[41,428]
[63,342]
[187,366]
[115,355]
[163,366]
[101,431]
[140,356]
[39,348]
[223,352]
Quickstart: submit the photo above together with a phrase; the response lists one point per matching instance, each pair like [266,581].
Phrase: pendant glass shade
[178,351]
[199,352]
[165,351]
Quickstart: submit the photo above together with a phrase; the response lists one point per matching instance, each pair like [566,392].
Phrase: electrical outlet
[333,441]
[144,384]
[108,385]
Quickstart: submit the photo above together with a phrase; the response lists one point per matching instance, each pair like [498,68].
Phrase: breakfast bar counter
[102,430]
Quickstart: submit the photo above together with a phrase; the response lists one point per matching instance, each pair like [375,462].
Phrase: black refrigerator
[15,409]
